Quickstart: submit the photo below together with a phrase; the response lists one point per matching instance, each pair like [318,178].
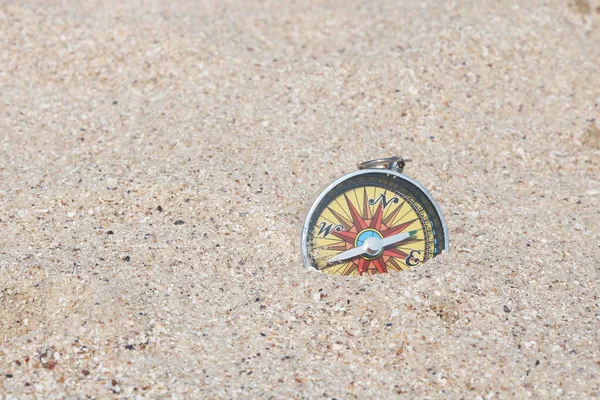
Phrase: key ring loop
[395,163]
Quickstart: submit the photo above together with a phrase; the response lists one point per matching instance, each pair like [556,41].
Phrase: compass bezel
[306,228]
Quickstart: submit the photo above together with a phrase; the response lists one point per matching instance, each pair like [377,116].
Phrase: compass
[373,221]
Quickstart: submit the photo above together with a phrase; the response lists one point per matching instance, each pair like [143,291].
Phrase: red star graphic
[360,224]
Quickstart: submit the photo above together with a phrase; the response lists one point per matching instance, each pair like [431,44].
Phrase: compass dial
[373,221]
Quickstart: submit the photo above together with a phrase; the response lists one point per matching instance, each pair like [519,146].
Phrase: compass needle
[357,251]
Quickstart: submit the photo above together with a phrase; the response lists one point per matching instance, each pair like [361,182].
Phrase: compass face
[371,222]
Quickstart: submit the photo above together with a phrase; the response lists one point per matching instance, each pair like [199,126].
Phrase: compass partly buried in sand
[372,221]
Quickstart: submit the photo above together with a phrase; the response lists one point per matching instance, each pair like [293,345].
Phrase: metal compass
[372,221]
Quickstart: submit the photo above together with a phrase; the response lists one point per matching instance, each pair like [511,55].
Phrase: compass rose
[364,239]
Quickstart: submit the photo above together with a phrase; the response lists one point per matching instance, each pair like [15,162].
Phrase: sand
[156,159]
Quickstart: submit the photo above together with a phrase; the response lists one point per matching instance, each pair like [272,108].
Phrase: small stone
[110,233]
[159,208]
[85,372]
[8,375]
[506,309]
[179,222]
[71,214]
[127,258]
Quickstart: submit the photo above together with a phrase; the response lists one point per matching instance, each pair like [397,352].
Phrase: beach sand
[156,160]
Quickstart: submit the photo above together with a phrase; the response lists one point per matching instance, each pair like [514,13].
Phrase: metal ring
[395,163]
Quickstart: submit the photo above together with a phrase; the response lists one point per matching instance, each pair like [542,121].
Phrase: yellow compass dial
[374,223]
